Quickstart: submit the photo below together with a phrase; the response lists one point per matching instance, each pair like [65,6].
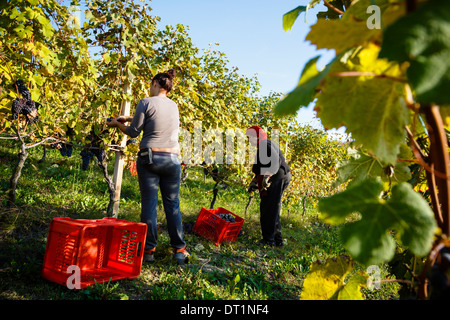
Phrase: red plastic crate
[104,249]
[212,227]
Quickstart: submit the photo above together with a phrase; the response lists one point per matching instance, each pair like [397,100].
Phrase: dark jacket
[269,161]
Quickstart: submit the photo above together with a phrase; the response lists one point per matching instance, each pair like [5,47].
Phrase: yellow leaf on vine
[327,281]
[341,35]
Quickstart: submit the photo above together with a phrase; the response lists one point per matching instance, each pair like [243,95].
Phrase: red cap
[260,134]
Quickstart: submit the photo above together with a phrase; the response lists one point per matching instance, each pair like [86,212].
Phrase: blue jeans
[165,174]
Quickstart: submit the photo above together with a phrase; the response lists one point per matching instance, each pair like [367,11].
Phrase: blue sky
[251,34]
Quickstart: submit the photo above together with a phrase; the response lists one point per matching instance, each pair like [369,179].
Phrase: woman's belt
[162,153]
[153,152]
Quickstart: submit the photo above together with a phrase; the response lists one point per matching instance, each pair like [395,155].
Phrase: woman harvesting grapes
[157,165]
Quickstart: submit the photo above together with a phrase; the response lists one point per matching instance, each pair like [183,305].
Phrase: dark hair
[165,79]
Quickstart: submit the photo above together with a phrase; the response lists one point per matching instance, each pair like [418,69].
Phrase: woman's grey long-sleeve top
[158,118]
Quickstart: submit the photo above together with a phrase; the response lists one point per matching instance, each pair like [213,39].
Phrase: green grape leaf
[368,239]
[371,108]
[337,208]
[305,92]
[352,289]
[328,281]
[360,166]
[290,17]
[422,38]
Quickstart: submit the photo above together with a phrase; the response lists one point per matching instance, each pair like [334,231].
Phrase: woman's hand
[119,123]
[266,182]
[124,119]
[113,123]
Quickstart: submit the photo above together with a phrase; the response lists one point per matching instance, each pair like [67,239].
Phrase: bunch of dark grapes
[23,90]
[227,217]
[66,149]
[86,156]
[96,144]
[25,105]
[17,106]
[95,149]
[440,276]
[99,153]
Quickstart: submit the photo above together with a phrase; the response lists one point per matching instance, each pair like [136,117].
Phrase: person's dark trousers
[165,174]
[270,208]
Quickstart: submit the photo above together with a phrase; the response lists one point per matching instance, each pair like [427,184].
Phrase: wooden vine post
[118,166]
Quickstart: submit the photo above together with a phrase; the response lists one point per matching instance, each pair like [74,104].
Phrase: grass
[238,270]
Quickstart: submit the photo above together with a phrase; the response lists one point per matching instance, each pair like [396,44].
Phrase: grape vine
[387,87]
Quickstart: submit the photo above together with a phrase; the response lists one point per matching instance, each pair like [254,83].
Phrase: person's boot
[264,242]
[149,256]
[181,256]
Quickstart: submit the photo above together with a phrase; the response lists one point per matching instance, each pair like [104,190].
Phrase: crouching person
[272,177]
